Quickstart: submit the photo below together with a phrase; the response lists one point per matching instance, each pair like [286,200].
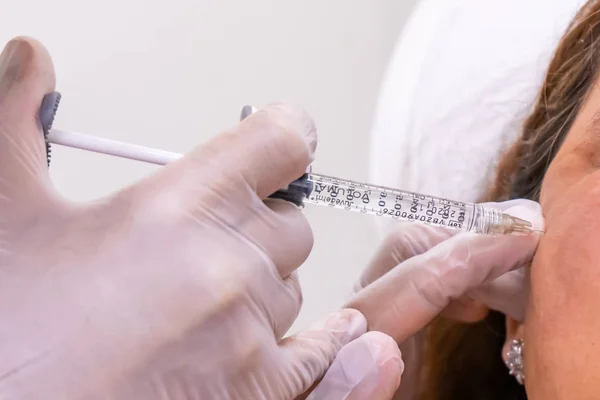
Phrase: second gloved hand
[421,271]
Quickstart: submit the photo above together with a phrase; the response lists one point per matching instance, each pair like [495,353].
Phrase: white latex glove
[179,287]
[368,368]
[422,271]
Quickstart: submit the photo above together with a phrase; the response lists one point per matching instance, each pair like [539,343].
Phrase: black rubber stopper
[47,113]
[296,192]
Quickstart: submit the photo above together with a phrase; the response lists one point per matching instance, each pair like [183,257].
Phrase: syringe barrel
[392,203]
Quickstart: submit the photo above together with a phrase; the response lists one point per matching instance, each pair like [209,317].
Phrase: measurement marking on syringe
[390,203]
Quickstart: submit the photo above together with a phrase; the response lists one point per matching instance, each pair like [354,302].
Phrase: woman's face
[562,319]
[570,200]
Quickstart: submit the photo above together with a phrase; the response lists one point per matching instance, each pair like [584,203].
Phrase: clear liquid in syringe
[387,202]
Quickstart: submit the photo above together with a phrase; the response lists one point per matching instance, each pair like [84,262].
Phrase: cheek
[565,284]
[572,229]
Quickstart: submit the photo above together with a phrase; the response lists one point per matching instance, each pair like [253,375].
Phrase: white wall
[172,74]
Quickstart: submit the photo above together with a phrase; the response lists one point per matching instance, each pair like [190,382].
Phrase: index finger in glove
[264,153]
[411,239]
[408,297]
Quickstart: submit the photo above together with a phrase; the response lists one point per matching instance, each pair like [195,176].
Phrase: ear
[466,309]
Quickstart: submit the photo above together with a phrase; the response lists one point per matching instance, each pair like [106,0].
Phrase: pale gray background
[172,74]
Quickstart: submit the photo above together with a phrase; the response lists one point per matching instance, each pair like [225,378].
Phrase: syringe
[328,191]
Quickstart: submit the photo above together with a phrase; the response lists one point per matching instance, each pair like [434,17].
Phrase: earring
[514,360]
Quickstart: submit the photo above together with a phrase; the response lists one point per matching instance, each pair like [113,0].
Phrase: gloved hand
[368,368]
[181,286]
[422,271]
